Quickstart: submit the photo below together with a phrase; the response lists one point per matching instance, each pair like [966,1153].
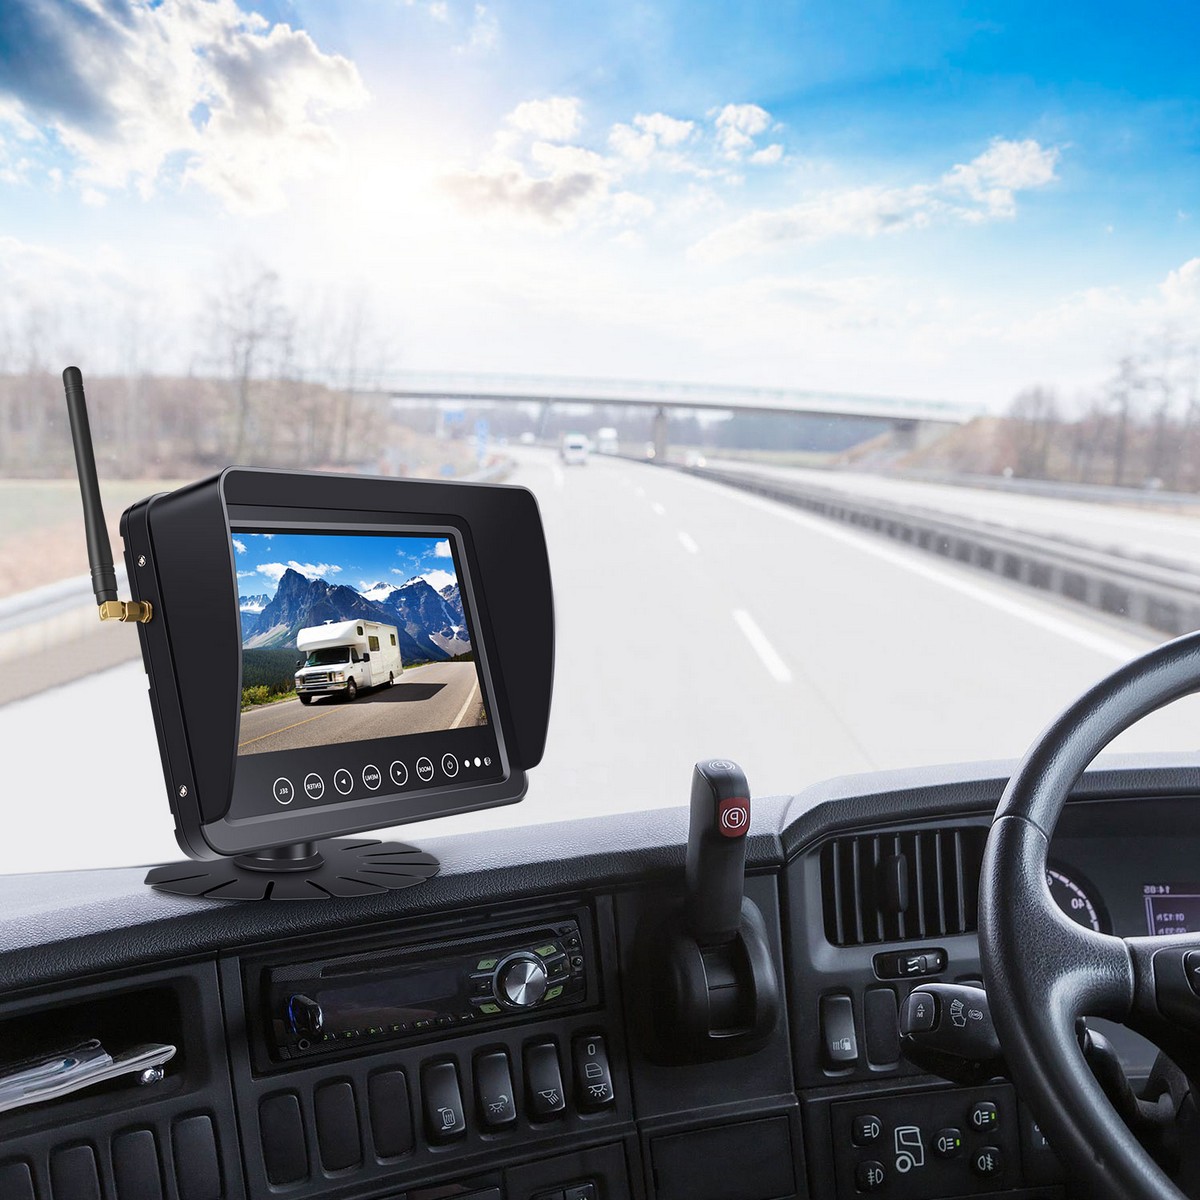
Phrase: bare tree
[1034,421]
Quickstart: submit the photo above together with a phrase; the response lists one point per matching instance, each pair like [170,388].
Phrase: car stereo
[329,654]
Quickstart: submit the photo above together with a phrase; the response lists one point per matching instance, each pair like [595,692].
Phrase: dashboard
[482,1036]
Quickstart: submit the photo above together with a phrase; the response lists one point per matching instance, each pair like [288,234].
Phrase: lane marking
[1047,622]
[658,508]
[462,712]
[285,728]
[776,667]
[557,472]
[687,543]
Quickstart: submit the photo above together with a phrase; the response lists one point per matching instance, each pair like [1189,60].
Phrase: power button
[733,816]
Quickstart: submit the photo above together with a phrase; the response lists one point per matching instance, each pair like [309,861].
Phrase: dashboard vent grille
[887,887]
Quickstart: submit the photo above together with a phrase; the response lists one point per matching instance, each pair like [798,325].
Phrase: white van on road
[574,450]
[344,657]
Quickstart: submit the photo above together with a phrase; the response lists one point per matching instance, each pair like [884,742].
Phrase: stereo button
[521,981]
[442,1102]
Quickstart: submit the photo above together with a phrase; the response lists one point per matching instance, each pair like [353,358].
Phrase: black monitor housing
[262,816]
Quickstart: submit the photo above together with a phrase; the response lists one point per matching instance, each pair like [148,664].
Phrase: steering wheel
[1043,971]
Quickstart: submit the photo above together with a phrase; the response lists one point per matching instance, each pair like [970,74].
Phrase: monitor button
[343,781]
[283,791]
[424,770]
[372,777]
[450,765]
[314,786]
[399,773]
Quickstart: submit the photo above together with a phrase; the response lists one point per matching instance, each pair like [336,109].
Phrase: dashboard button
[983,1116]
[593,1080]
[399,773]
[442,1102]
[314,786]
[987,1161]
[1191,968]
[920,1013]
[282,791]
[837,1031]
[866,1130]
[581,1191]
[947,1143]
[450,765]
[869,1176]
[372,777]
[343,781]
[391,1120]
[543,1081]
[494,1090]
[424,770]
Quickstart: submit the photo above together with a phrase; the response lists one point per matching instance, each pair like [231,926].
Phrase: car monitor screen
[361,674]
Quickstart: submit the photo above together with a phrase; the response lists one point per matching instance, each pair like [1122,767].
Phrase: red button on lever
[733,817]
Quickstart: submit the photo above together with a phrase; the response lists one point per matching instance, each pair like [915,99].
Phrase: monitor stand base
[304,871]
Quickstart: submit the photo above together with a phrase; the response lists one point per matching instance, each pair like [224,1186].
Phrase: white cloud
[442,550]
[438,579]
[768,155]
[162,95]
[239,546]
[276,571]
[738,125]
[982,190]
[483,33]
[555,119]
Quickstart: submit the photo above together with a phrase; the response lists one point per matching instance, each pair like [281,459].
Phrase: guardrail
[1163,598]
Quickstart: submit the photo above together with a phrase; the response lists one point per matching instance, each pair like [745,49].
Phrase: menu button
[371,777]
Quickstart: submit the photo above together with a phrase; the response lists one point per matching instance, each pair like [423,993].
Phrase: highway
[1170,537]
[693,620]
[424,699]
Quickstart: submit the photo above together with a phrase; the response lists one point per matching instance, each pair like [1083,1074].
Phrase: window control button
[494,1090]
[442,1102]
[543,1081]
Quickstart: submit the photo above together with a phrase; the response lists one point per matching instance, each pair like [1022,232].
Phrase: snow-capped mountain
[430,626]
[253,604]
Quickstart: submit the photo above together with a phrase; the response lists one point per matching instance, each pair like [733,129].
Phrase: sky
[359,562]
[945,201]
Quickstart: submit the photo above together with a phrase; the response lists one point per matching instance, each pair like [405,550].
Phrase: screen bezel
[246,808]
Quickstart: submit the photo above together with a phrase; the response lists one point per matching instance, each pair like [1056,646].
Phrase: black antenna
[100,559]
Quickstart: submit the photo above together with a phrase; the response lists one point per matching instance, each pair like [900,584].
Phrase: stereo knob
[521,981]
[304,1015]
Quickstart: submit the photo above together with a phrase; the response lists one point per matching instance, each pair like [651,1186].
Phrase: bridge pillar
[543,420]
[660,435]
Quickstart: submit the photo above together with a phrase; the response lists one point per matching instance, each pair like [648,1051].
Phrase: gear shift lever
[716,851]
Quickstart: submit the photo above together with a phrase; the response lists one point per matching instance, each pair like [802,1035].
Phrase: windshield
[877,329]
[328,658]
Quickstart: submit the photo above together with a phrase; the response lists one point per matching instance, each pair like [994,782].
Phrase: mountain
[429,629]
[378,591]
[453,598]
[429,617]
[253,604]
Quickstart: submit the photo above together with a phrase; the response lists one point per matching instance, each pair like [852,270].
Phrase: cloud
[276,571]
[239,546]
[768,155]
[442,550]
[556,119]
[438,579]
[483,32]
[738,125]
[152,96]
[982,190]
[515,190]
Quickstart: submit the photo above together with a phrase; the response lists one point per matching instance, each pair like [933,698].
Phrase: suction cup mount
[302,871]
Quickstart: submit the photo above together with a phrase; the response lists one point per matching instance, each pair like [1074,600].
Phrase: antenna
[104,576]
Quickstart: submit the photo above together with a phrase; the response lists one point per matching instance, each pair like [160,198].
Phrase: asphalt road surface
[693,621]
[423,700]
[1141,532]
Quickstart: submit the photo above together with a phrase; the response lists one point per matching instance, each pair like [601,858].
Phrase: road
[693,620]
[1172,537]
[423,699]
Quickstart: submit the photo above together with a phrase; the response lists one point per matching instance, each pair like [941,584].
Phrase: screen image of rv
[350,637]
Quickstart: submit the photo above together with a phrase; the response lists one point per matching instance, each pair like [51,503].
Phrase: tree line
[1141,428]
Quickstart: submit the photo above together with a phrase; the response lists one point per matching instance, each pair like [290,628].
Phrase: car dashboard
[444,1064]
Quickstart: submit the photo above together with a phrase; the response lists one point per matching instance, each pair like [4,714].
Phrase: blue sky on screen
[358,562]
[944,200]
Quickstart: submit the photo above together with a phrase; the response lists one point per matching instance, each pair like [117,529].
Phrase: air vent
[888,887]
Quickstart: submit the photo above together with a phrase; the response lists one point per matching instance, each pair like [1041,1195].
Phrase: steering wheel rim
[1043,971]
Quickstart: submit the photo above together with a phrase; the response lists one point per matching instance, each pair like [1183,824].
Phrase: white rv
[344,657]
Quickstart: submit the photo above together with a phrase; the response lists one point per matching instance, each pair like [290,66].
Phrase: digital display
[389,1001]
[1172,907]
[361,676]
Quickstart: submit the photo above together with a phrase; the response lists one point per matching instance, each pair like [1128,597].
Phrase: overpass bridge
[911,419]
